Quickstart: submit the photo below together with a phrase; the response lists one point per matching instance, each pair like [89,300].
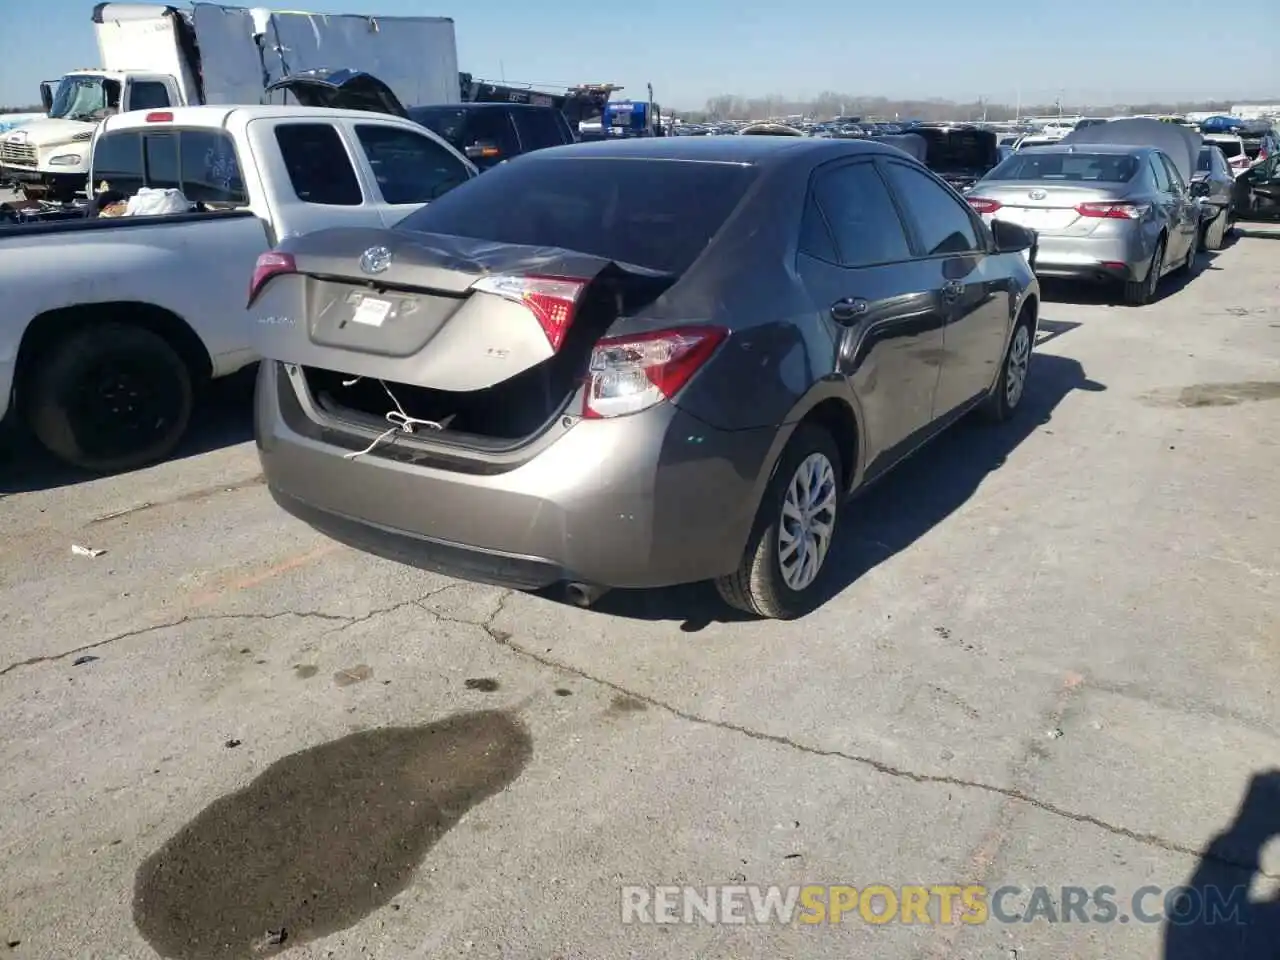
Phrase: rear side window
[1205,161]
[1100,167]
[538,129]
[943,223]
[861,215]
[491,126]
[1163,183]
[319,168]
[148,95]
[200,163]
[409,167]
[656,214]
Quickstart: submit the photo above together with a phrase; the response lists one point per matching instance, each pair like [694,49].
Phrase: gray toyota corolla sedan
[637,363]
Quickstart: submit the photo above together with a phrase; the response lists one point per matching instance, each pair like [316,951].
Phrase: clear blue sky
[1090,51]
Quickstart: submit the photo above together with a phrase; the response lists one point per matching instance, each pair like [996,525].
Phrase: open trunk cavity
[497,417]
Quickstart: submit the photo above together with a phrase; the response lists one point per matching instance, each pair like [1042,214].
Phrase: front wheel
[110,397]
[1004,400]
[780,575]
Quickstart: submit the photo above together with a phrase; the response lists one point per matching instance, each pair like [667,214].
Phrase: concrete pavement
[1052,659]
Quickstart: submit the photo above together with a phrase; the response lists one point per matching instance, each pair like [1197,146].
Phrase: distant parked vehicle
[961,155]
[1103,211]
[1215,185]
[1232,147]
[636,364]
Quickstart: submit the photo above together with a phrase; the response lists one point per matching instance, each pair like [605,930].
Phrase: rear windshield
[1100,167]
[958,150]
[201,163]
[656,214]
[1229,148]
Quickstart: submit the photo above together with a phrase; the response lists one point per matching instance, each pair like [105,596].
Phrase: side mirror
[1011,237]
[1200,188]
[483,150]
[46,95]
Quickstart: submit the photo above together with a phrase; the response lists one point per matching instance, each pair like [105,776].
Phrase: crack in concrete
[504,639]
[344,621]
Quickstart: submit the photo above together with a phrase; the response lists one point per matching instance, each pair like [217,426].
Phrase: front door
[975,291]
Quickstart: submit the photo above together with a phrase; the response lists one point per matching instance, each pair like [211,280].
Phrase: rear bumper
[1089,258]
[649,500]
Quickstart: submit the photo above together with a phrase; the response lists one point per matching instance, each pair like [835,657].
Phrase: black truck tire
[110,397]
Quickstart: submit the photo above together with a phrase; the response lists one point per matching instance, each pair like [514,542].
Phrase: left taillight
[630,374]
[552,300]
[269,265]
[983,205]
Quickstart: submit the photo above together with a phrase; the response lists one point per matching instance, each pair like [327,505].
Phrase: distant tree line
[831,104]
[32,109]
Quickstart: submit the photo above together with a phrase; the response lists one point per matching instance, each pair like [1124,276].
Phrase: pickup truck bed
[111,325]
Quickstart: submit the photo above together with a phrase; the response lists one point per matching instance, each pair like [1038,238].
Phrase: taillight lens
[1113,211]
[269,265]
[552,300]
[630,374]
[983,205]
[162,116]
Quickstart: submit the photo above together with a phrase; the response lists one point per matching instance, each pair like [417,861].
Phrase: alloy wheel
[1015,379]
[808,520]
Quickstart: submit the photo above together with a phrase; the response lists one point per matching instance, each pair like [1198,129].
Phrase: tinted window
[161,153]
[537,129]
[861,215]
[941,220]
[1103,167]
[1161,175]
[319,168]
[148,95]
[492,126]
[409,167]
[815,236]
[654,214]
[117,161]
[1205,161]
[200,163]
[210,169]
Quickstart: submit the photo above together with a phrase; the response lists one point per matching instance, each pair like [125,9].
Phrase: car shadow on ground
[1112,294]
[892,514]
[223,417]
[1212,916]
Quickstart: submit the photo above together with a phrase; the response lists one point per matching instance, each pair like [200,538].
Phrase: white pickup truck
[111,325]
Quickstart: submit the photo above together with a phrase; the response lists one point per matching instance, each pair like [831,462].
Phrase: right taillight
[269,265]
[984,205]
[1112,211]
[630,374]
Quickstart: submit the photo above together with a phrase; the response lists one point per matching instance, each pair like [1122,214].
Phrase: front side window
[409,167]
[943,224]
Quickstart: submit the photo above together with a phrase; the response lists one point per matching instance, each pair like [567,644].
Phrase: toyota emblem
[375,260]
[1034,195]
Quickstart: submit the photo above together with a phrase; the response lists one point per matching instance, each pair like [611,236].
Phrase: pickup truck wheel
[111,397]
[780,575]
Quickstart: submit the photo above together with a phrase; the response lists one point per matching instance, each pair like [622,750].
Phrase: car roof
[729,148]
[1095,148]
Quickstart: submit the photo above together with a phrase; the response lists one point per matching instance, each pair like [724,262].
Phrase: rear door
[882,303]
[1187,211]
[975,284]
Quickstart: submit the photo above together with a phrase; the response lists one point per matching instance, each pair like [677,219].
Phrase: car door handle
[848,310]
[952,289]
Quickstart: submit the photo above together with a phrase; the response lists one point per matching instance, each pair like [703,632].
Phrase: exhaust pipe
[584,594]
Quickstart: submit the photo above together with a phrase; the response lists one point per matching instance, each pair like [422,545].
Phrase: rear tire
[1138,293]
[1215,234]
[782,570]
[111,397]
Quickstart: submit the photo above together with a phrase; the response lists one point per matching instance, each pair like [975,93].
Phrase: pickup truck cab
[111,325]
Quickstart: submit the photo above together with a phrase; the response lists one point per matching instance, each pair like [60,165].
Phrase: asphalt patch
[357,674]
[321,838]
[621,705]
